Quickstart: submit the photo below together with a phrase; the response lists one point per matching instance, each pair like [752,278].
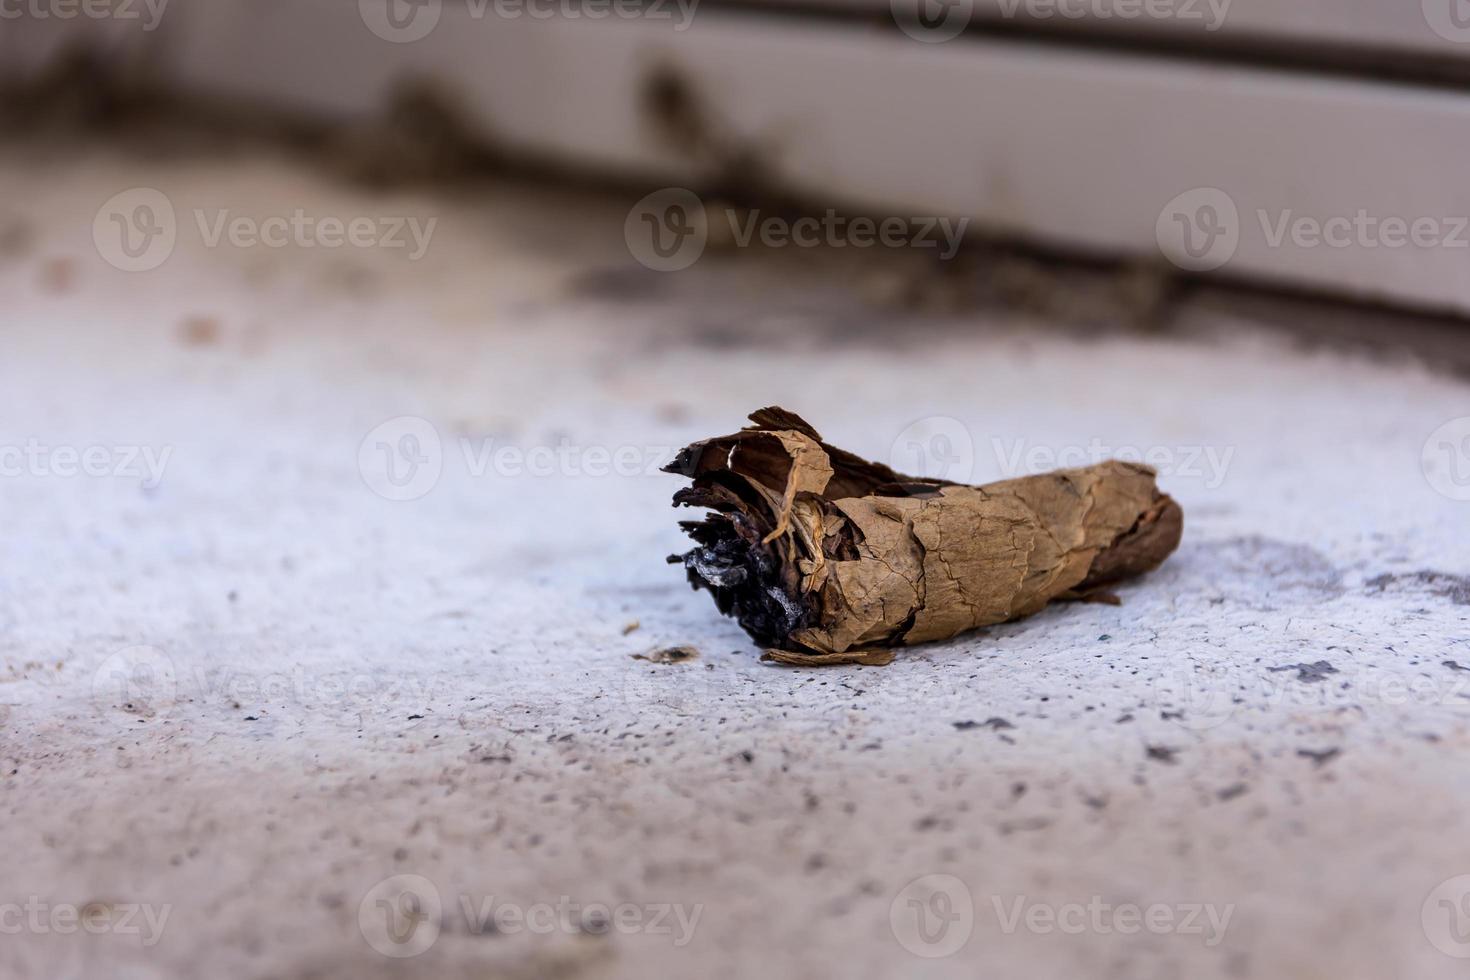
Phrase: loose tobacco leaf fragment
[824,557]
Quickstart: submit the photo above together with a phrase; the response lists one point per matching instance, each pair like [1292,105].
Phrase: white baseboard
[1078,149]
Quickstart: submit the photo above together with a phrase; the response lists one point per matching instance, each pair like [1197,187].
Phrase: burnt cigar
[824,557]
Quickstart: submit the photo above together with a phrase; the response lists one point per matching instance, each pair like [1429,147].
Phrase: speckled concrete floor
[243,692]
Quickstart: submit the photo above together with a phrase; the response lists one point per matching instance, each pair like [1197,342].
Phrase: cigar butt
[824,557]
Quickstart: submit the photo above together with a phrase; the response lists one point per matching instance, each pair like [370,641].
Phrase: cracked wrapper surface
[827,558]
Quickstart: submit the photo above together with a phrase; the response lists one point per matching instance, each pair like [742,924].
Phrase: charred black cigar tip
[746,584]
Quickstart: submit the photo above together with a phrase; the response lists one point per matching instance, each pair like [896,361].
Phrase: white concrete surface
[335,688]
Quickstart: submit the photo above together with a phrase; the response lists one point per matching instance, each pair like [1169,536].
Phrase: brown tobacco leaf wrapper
[827,558]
